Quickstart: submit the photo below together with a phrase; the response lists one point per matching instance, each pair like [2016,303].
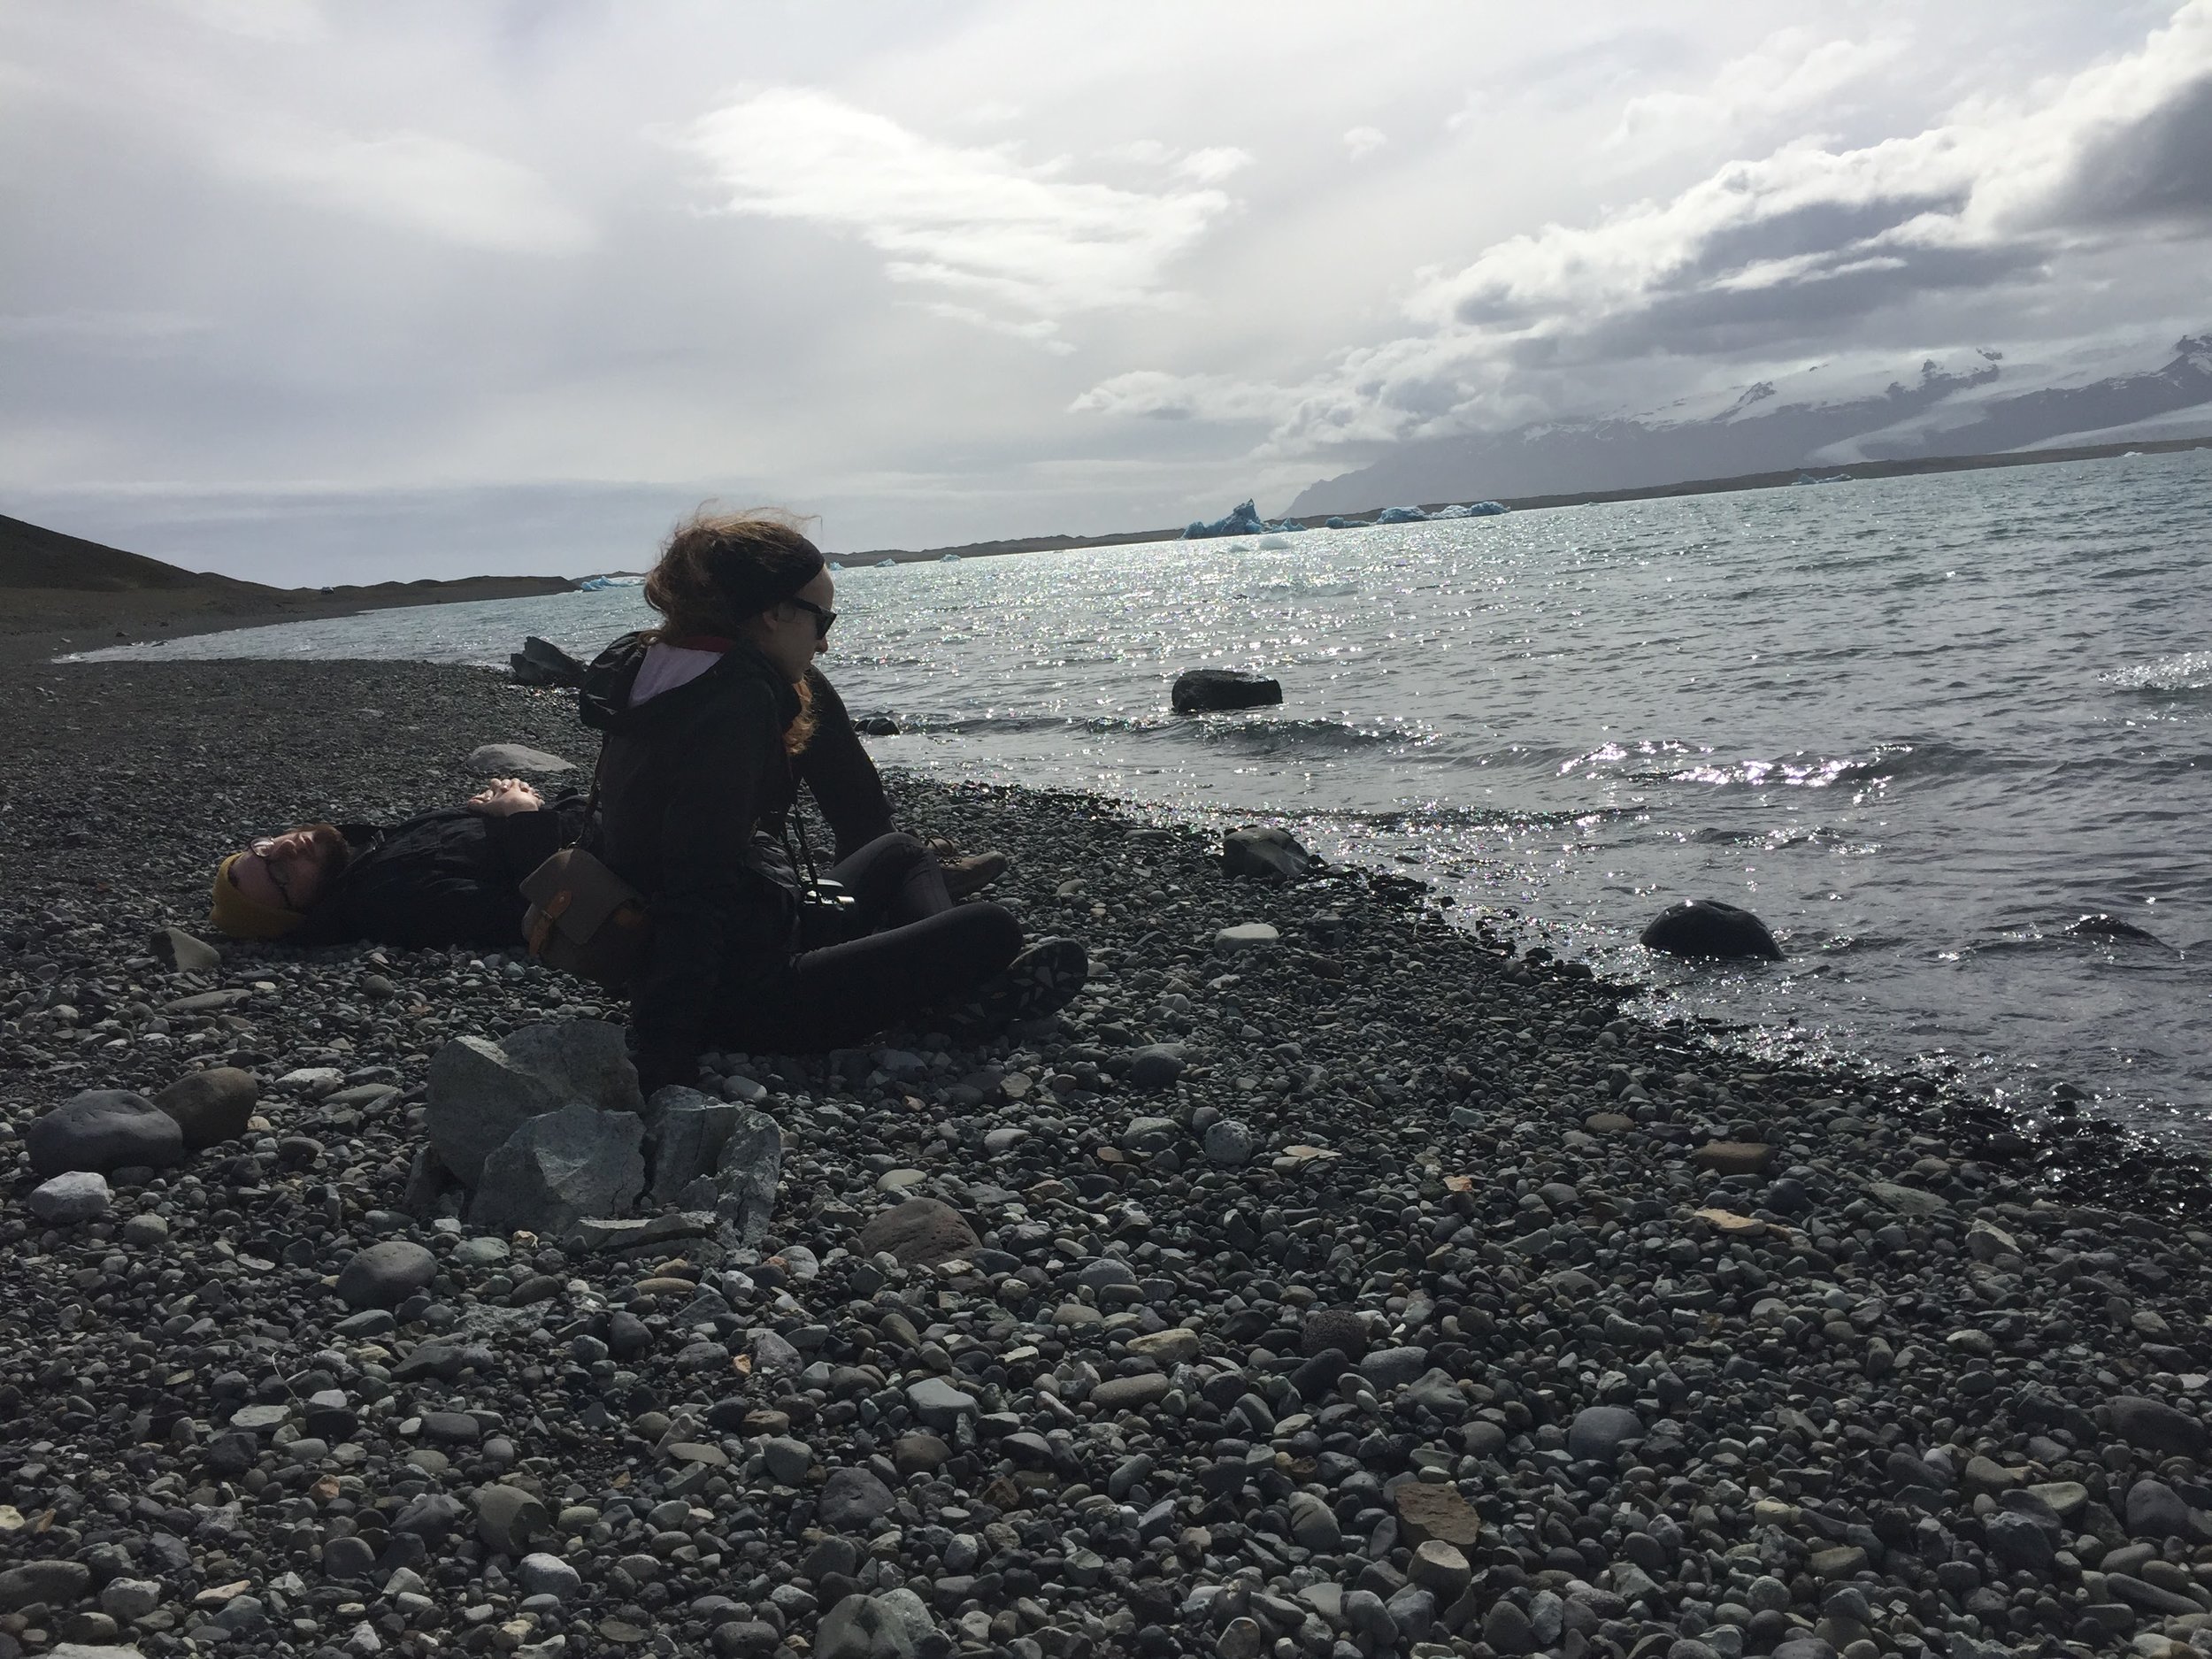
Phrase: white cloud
[1363,141]
[1211,166]
[257,20]
[418,182]
[1792,73]
[1005,235]
[1763,255]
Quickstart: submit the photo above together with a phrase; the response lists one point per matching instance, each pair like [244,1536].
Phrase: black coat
[448,878]
[685,781]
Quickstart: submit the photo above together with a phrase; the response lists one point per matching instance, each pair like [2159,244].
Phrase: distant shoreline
[38,624]
[1851,472]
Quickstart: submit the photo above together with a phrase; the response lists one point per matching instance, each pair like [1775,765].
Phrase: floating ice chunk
[1338,524]
[884,565]
[1242,520]
[1472,510]
[949,559]
[1402,515]
[1273,544]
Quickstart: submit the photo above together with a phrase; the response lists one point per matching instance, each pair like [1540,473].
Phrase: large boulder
[541,662]
[212,1106]
[386,1274]
[921,1233]
[104,1129]
[1709,927]
[480,1093]
[559,1168]
[1208,690]
[1270,855]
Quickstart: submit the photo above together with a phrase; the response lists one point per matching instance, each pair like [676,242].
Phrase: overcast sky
[317,292]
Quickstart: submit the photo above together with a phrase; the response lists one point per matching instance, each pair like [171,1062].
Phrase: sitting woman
[448,878]
[702,716]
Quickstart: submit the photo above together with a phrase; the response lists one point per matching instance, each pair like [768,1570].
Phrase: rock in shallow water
[1710,927]
[1209,690]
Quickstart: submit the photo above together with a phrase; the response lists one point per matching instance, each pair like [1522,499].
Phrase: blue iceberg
[1242,520]
[1472,510]
[1402,515]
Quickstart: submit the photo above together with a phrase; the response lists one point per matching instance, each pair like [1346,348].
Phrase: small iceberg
[1338,524]
[1242,520]
[1402,515]
[594,585]
[1271,544]
[949,559]
[1471,510]
[835,566]
[884,565]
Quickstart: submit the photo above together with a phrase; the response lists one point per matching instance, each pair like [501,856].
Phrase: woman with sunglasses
[702,716]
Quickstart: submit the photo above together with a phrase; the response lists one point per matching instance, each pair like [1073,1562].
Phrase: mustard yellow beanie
[241,917]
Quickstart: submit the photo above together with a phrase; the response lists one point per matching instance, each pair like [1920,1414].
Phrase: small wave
[1888,761]
[2192,671]
[1262,736]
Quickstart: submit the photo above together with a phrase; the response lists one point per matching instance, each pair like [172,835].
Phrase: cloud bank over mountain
[331,292]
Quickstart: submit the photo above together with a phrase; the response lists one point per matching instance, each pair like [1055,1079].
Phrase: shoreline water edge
[1371,1288]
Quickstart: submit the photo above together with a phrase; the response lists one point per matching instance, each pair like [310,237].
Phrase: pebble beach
[1328,1280]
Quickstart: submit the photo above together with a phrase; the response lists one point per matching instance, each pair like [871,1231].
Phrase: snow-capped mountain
[1977,404]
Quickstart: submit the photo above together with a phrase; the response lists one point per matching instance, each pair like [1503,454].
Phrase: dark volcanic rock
[1710,927]
[385,1275]
[1269,855]
[211,1106]
[105,1130]
[921,1233]
[1206,690]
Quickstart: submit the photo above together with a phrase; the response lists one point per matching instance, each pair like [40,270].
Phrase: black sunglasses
[824,620]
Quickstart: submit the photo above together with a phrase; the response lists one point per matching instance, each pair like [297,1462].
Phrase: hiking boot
[971,872]
[1043,979]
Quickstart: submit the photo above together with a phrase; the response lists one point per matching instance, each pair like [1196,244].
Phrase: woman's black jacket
[685,779]
[448,878]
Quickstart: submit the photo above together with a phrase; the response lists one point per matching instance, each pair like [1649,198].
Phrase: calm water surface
[1923,727]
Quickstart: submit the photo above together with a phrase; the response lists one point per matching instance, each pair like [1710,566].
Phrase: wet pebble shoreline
[1366,1289]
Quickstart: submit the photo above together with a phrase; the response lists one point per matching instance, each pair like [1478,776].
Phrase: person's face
[796,632]
[289,871]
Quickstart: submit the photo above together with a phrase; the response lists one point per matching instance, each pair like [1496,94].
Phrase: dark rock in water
[184,953]
[104,1129]
[386,1274]
[1205,690]
[2103,926]
[212,1106]
[541,662]
[1269,854]
[1707,927]
[921,1233]
[876,725]
[557,1168]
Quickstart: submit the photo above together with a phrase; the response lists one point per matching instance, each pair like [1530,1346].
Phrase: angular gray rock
[386,1274]
[509,1520]
[212,1106]
[65,1199]
[182,951]
[502,760]
[939,1405]
[872,1627]
[104,1129]
[685,1133]
[480,1093]
[1270,855]
[921,1233]
[540,1574]
[748,1172]
[557,1168]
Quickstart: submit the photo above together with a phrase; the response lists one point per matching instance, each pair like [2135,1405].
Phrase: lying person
[702,716]
[448,878]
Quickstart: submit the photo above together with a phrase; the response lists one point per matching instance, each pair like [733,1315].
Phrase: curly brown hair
[718,569]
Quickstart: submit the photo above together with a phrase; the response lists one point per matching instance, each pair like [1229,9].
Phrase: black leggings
[927,952]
